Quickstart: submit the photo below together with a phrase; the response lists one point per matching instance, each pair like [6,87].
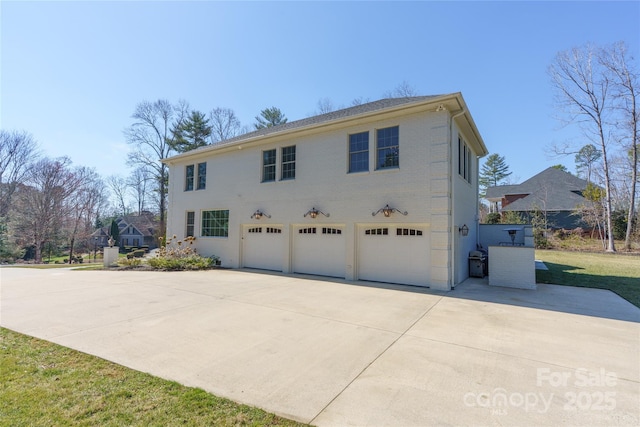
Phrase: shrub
[180,255]
[493,218]
[129,262]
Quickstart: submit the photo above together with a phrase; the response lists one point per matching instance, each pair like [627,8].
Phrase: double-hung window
[288,162]
[189,172]
[202,176]
[191,222]
[215,223]
[269,165]
[359,152]
[388,148]
[464,160]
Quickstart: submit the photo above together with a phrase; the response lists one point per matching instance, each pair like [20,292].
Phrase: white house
[385,191]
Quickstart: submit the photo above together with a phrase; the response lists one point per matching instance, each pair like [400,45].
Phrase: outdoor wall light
[259,214]
[387,211]
[464,230]
[313,213]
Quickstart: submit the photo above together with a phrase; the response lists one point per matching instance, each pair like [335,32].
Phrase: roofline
[459,107]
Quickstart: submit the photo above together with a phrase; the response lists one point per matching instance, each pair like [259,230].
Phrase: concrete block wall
[512,267]
[495,234]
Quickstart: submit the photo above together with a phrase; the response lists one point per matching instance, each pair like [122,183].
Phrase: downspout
[452,144]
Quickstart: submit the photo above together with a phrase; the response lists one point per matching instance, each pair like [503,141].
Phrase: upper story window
[189,172]
[388,148]
[202,176]
[464,160]
[289,162]
[269,165]
[215,223]
[359,152]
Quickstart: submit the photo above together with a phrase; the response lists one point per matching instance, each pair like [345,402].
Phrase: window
[326,230]
[191,223]
[464,160]
[289,162]
[359,152]
[188,185]
[408,232]
[388,148]
[202,176]
[377,231]
[310,230]
[269,165]
[271,230]
[255,230]
[215,223]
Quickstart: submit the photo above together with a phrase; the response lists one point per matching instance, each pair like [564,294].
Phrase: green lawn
[44,384]
[616,272]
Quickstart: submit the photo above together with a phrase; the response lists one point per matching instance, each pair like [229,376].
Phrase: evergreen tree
[270,117]
[585,160]
[191,133]
[493,171]
[115,232]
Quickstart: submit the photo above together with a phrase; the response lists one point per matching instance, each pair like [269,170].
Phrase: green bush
[191,262]
[129,262]
[493,218]
[180,255]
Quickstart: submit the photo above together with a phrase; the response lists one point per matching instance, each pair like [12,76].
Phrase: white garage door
[263,247]
[319,250]
[394,254]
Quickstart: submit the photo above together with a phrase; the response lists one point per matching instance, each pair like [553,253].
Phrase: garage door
[394,254]
[263,247]
[319,250]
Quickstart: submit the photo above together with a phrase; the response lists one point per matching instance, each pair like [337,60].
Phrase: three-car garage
[379,252]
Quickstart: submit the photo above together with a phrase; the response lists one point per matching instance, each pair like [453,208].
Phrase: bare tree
[17,152]
[324,105]
[225,124]
[138,183]
[119,188]
[359,101]
[582,92]
[403,90]
[82,206]
[625,88]
[152,138]
[42,204]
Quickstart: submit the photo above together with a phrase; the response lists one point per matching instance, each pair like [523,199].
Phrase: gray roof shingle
[550,190]
[328,117]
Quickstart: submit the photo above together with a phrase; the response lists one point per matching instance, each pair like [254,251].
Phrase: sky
[72,72]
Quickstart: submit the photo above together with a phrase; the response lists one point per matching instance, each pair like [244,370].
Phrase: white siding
[422,185]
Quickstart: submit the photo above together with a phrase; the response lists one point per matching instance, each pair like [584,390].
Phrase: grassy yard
[44,384]
[616,272]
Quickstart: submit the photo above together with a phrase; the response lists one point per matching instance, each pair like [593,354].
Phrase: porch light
[387,211]
[464,230]
[259,214]
[313,213]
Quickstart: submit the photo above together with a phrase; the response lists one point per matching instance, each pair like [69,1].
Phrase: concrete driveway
[334,353]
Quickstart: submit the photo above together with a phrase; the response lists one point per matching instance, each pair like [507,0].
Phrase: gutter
[453,229]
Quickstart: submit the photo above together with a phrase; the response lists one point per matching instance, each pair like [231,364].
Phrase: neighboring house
[135,230]
[379,192]
[552,192]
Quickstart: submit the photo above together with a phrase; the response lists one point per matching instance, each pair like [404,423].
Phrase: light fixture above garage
[313,213]
[259,214]
[387,211]
[464,230]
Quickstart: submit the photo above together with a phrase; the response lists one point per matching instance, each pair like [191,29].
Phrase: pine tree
[191,133]
[270,117]
[493,172]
